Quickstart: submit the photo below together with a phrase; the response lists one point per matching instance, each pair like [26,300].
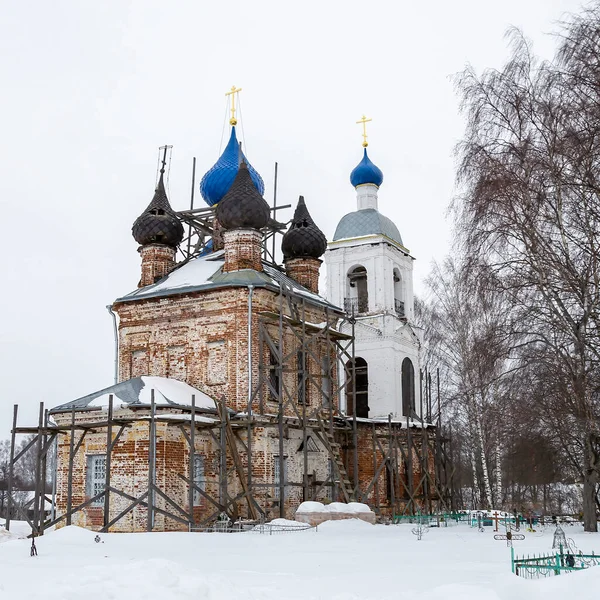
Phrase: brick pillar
[157,261]
[305,271]
[242,250]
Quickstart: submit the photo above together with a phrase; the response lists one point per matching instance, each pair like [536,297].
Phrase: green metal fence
[435,520]
[548,565]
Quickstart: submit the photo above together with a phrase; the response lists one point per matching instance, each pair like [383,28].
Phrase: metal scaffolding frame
[303,370]
[201,230]
[301,379]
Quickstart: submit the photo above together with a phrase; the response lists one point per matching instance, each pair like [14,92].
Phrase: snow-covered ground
[343,560]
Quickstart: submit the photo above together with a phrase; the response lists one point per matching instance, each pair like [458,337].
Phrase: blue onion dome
[218,179]
[366,172]
[303,238]
[158,224]
[243,207]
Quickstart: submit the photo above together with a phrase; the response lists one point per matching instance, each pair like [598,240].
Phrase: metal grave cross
[509,536]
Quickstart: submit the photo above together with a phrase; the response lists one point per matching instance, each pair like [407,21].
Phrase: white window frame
[96,477]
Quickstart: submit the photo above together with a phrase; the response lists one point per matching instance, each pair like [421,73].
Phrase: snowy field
[343,560]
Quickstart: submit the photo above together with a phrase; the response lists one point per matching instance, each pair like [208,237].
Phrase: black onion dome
[158,224]
[303,238]
[243,207]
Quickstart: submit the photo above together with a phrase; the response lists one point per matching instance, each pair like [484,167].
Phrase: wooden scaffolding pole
[9,502]
[151,464]
[106,518]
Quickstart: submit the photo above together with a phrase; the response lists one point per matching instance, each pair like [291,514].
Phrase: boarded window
[176,368]
[217,363]
[139,363]
[199,478]
[96,477]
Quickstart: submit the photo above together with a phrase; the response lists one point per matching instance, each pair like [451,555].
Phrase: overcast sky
[90,90]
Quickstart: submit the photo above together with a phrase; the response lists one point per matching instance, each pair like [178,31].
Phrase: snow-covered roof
[206,272]
[138,392]
[194,274]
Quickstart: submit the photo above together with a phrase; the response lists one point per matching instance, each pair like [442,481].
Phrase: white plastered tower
[370,274]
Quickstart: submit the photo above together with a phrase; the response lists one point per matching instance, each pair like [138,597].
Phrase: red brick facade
[242,250]
[157,261]
[305,271]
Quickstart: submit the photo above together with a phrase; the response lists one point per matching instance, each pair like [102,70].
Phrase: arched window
[360,388]
[398,294]
[408,388]
[357,299]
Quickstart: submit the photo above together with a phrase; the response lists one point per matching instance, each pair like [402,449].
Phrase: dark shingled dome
[243,207]
[158,224]
[303,238]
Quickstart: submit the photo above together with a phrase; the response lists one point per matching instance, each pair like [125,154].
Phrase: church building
[241,390]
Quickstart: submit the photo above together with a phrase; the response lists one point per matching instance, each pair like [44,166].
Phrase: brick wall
[305,271]
[242,250]
[157,261]
[202,339]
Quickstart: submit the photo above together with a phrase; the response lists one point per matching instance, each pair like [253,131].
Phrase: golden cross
[232,93]
[364,122]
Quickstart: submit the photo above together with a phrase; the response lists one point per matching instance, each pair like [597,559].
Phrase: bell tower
[370,274]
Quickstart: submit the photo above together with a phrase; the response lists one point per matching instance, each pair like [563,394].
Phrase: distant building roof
[206,272]
[366,222]
[137,392]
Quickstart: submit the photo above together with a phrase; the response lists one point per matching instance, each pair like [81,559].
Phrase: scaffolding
[304,370]
[204,235]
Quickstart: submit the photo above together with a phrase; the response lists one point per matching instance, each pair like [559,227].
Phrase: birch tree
[530,210]
[469,337]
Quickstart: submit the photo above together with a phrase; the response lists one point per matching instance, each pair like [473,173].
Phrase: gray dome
[366,222]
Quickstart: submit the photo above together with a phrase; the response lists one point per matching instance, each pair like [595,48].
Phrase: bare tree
[469,338]
[530,211]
